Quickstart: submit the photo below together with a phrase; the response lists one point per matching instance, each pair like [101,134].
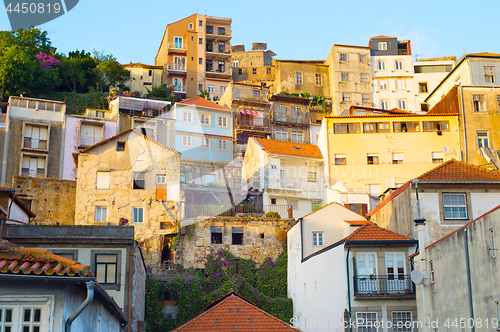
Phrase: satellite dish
[417,277]
[446,149]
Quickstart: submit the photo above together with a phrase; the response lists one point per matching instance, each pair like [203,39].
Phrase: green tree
[109,72]
[162,92]
[77,71]
[204,94]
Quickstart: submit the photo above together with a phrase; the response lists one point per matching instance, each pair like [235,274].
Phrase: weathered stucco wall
[261,239]
[52,200]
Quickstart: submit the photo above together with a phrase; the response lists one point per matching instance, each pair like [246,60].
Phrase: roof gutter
[383,242]
[78,311]
[459,182]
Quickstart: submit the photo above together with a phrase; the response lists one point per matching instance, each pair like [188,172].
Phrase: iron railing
[383,285]
[301,118]
[195,211]
[249,120]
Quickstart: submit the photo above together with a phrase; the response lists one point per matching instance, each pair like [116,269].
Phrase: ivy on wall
[264,285]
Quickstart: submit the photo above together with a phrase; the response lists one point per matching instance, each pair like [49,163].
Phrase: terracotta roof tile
[382,36]
[484,54]
[202,102]
[290,148]
[233,312]
[372,232]
[15,259]
[458,171]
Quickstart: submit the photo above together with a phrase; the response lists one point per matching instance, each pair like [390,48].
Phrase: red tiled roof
[126,132]
[15,259]
[372,232]
[391,111]
[382,36]
[484,54]
[458,171]
[394,115]
[202,102]
[233,312]
[356,222]
[290,148]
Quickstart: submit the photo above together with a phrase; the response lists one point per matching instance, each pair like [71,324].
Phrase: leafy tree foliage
[162,92]
[109,71]
[78,72]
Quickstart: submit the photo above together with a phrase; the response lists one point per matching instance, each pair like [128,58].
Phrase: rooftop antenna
[416,56]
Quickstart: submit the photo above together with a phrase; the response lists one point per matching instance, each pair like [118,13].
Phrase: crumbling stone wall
[52,200]
[262,238]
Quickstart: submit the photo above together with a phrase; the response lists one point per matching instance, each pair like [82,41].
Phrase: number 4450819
[25,8]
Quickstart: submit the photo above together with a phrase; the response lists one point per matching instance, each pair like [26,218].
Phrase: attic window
[217,320]
[298,148]
[250,320]
[230,310]
[239,310]
[235,327]
[120,146]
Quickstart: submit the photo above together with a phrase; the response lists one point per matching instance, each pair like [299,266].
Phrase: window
[35,137]
[190,25]
[200,23]
[222,47]
[205,142]
[436,126]
[209,179]
[422,87]
[237,235]
[364,78]
[221,121]
[269,70]
[211,89]
[187,116]
[281,135]
[340,159]
[101,214]
[222,65]
[346,128]
[346,97]
[489,74]
[384,104]
[137,214]
[482,139]
[256,93]
[454,206]
[431,272]
[222,31]
[222,145]
[437,157]
[200,61]
[344,76]
[401,321]
[178,42]
[273,201]
[402,104]
[373,127]
[362,58]
[120,146]
[147,128]
[398,158]
[161,179]
[106,268]
[139,180]
[398,65]
[381,65]
[366,320]
[200,87]
[90,134]
[344,57]
[210,29]
[311,177]
[183,177]
[33,166]
[400,84]
[298,77]
[222,89]
[254,71]
[235,63]
[406,127]
[383,85]
[319,79]
[240,71]
[365,98]
[297,136]
[102,180]
[424,107]
[382,46]
[294,205]
[372,159]
[24,314]
[216,235]
[317,239]
[478,103]
[492,245]
[186,141]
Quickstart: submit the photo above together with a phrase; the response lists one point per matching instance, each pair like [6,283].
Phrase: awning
[248,112]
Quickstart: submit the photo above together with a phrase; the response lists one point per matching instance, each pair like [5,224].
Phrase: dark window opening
[120,146]
[210,29]
[261,235]
[216,235]
[273,201]
[139,180]
[150,73]
[237,235]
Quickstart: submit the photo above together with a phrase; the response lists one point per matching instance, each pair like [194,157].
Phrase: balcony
[219,35]
[383,286]
[174,47]
[217,51]
[294,184]
[295,138]
[200,211]
[176,68]
[179,89]
[255,122]
[296,119]
[220,73]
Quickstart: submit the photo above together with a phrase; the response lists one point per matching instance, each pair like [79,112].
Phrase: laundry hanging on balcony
[248,112]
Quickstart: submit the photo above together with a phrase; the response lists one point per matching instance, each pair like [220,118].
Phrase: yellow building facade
[143,77]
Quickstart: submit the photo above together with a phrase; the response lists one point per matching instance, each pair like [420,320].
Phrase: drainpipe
[469,283]
[348,286]
[90,297]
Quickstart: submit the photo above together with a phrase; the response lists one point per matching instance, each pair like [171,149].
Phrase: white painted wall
[17,213]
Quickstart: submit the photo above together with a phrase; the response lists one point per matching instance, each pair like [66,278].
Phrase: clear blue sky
[132,30]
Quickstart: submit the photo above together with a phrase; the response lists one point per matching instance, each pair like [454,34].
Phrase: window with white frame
[478,103]
[33,166]
[25,314]
[187,116]
[205,142]
[454,206]
[362,58]
[222,89]
[139,180]
[222,145]
[256,93]
[398,65]
[400,84]
[145,127]
[344,57]
[221,121]
[372,158]
[35,137]
[365,98]
[382,85]
[298,77]
[346,97]
[211,89]
[398,158]
[281,135]
[101,214]
[317,239]
[384,104]
[381,65]
[437,157]
[178,42]
[106,268]
[489,74]
[236,63]
[186,141]
[205,119]
[382,46]
[401,321]
[402,104]
[190,25]
[90,134]
[364,78]
[297,136]
[294,205]
[312,176]
[103,180]
[340,159]
[161,179]
[137,214]
[319,79]
[366,321]
[482,139]
[344,76]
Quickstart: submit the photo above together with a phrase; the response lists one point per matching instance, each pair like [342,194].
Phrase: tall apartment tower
[392,72]
[350,77]
[195,55]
